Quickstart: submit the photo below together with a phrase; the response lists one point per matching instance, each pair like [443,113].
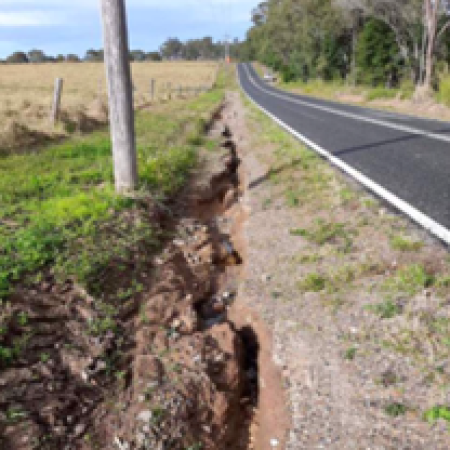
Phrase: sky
[74,26]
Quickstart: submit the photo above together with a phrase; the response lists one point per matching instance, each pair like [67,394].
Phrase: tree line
[380,42]
[171,49]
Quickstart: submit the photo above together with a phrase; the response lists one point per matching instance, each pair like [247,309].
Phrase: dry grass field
[26,93]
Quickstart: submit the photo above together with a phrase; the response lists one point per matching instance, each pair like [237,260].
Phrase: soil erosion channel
[186,365]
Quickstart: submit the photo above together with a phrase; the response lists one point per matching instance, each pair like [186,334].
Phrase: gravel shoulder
[356,298]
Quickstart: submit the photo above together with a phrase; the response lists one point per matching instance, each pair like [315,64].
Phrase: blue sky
[73,26]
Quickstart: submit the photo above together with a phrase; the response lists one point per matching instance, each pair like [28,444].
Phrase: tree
[137,55]
[72,58]
[378,56]
[94,56]
[434,12]
[153,56]
[36,56]
[172,49]
[17,58]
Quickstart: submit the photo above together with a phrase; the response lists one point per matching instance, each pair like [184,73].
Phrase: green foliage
[324,232]
[380,93]
[436,413]
[405,244]
[313,282]
[408,280]
[395,409]
[377,54]
[350,353]
[443,95]
[386,310]
[58,207]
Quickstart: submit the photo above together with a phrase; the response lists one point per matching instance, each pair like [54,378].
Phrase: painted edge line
[290,97]
[417,216]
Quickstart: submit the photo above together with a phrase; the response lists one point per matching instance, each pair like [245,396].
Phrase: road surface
[401,158]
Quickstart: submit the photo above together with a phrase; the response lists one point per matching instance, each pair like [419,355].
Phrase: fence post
[56,100]
[152,89]
[120,91]
[169,91]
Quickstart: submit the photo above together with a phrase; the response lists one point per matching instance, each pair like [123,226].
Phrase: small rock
[121,445]
[80,429]
[274,443]
[145,416]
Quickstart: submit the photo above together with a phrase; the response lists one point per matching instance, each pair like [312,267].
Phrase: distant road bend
[403,159]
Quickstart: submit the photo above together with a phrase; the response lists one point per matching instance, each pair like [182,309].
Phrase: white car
[269,77]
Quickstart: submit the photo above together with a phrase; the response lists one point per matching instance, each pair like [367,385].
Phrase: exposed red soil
[180,365]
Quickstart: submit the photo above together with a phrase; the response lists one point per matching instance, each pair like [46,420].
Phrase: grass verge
[58,208]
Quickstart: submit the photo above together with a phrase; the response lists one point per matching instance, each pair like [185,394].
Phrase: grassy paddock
[26,91]
[58,208]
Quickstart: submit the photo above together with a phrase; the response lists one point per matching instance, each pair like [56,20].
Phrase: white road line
[426,222]
[405,128]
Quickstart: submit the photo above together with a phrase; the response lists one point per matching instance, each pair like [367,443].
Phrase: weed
[324,232]
[266,203]
[313,282]
[395,409]
[22,319]
[380,93]
[405,244]
[210,145]
[350,353]
[347,195]
[299,232]
[44,357]
[158,414]
[197,446]
[436,413]
[408,280]
[6,356]
[15,414]
[386,310]
[310,258]
[292,198]
[101,326]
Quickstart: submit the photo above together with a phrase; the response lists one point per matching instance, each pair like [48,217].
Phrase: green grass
[58,207]
[436,413]
[408,280]
[386,310]
[405,244]
[322,232]
[443,95]
[350,353]
[381,93]
[395,409]
[313,282]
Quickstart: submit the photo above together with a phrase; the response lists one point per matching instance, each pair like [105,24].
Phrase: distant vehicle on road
[269,77]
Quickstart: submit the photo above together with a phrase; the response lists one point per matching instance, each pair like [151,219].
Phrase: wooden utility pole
[121,112]
[56,101]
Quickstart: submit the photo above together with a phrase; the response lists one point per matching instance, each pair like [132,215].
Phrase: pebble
[145,416]
[80,429]
[274,443]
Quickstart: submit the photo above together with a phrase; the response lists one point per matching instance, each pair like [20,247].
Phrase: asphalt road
[402,158]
